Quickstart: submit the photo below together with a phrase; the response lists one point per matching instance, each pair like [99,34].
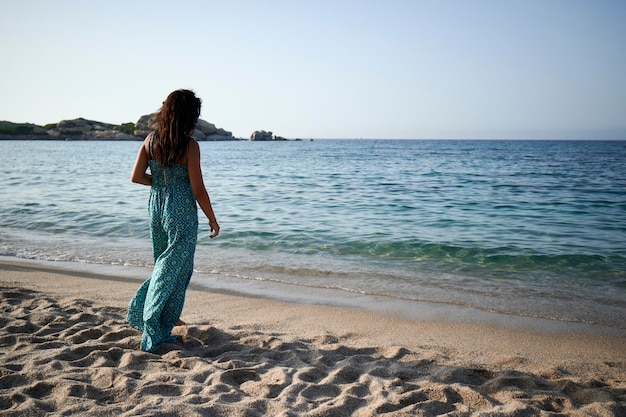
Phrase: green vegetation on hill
[11,128]
[128,128]
[65,128]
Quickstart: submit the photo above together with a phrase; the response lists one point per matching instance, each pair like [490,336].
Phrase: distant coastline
[83,129]
[77,129]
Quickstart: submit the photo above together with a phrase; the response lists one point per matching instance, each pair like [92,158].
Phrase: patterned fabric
[158,303]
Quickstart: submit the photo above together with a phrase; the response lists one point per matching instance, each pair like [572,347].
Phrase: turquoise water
[530,228]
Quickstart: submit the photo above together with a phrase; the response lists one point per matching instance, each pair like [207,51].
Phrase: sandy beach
[66,350]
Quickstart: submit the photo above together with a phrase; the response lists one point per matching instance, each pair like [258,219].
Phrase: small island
[262,135]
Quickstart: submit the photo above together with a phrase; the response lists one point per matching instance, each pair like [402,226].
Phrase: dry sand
[65,349]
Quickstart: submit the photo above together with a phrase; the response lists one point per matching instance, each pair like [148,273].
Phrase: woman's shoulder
[193,146]
[193,151]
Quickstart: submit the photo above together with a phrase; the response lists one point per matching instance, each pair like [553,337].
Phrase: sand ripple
[73,357]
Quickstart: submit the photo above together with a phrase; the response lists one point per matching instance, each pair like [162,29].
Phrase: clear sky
[325,69]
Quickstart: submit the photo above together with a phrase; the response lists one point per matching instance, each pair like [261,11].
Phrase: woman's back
[168,176]
[172,175]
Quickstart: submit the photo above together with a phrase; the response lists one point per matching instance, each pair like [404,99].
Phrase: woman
[176,184]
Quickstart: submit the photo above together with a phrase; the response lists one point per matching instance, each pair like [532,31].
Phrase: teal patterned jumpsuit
[158,303]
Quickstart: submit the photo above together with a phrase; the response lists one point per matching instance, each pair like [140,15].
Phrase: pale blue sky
[325,69]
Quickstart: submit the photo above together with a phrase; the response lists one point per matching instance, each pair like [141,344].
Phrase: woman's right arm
[138,173]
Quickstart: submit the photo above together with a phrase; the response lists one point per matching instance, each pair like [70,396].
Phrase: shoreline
[485,322]
[327,297]
[65,347]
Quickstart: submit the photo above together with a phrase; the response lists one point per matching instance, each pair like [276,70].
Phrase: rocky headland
[83,129]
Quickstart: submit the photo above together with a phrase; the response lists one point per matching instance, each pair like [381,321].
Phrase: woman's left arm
[197,186]
[138,173]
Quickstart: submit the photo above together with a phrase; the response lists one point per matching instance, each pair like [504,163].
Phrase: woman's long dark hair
[174,124]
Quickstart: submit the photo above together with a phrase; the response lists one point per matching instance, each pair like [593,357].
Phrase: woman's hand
[215,228]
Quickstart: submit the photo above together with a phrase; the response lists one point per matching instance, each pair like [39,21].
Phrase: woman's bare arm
[197,186]
[138,173]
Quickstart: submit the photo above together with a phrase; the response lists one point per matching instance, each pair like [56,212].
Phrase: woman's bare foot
[180,323]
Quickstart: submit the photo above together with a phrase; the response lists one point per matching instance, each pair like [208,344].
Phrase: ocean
[521,228]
